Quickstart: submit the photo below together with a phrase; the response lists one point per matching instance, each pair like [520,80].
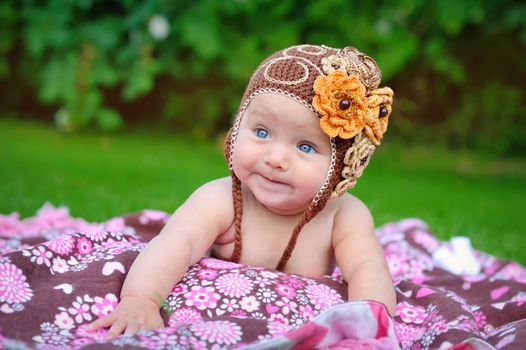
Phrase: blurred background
[114,106]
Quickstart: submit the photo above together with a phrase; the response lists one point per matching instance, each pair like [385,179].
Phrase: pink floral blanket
[58,273]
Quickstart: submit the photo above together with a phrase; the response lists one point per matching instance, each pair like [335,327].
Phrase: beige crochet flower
[379,108]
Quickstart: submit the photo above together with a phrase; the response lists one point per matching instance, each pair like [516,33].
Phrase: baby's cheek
[322,176]
[312,187]
[237,158]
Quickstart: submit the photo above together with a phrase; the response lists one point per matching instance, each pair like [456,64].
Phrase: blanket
[58,273]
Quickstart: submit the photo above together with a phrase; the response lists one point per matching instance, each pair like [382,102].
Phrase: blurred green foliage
[457,67]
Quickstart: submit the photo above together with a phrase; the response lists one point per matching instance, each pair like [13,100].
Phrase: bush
[185,63]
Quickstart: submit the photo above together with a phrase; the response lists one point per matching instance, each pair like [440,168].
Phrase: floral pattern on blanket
[58,273]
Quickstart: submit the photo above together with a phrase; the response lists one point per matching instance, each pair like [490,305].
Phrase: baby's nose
[277,158]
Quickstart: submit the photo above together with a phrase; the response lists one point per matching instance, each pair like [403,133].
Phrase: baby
[308,123]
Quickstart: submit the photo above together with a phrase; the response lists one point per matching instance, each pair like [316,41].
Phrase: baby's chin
[286,203]
[286,209]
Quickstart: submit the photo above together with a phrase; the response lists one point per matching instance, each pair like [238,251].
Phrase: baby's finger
[132,328]
[149,327]
[117,328]
[101,323]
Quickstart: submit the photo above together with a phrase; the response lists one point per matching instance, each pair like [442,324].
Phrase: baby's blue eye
[262,133]
[305,147]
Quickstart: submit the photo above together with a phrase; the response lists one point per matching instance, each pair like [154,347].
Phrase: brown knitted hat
[341,87]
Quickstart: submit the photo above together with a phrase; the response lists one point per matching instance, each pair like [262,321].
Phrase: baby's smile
[273,183]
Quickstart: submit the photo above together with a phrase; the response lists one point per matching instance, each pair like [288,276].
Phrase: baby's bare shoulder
[348,204]
[352,215]
[206,213]
[213,199]
[215,190]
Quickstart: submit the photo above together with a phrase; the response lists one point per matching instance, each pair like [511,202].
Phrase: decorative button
[383,112]
[345,104]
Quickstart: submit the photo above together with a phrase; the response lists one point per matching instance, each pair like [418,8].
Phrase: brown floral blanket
[58,273]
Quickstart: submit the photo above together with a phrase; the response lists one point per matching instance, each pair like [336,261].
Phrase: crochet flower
[341,101]
[333,63]
[378,111]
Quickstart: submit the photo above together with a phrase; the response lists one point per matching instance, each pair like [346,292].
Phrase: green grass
[100,176]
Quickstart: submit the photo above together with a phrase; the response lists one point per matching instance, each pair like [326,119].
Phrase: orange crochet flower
[341,101]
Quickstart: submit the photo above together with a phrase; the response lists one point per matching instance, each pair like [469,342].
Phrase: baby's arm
[182,242]
[360,255]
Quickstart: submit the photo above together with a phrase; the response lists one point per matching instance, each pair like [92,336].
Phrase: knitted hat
[341,87]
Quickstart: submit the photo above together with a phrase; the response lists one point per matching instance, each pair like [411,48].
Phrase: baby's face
[281,155]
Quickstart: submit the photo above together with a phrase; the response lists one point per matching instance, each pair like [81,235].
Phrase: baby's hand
[132,315]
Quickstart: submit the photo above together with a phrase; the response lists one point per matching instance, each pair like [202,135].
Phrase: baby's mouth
[274,180]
